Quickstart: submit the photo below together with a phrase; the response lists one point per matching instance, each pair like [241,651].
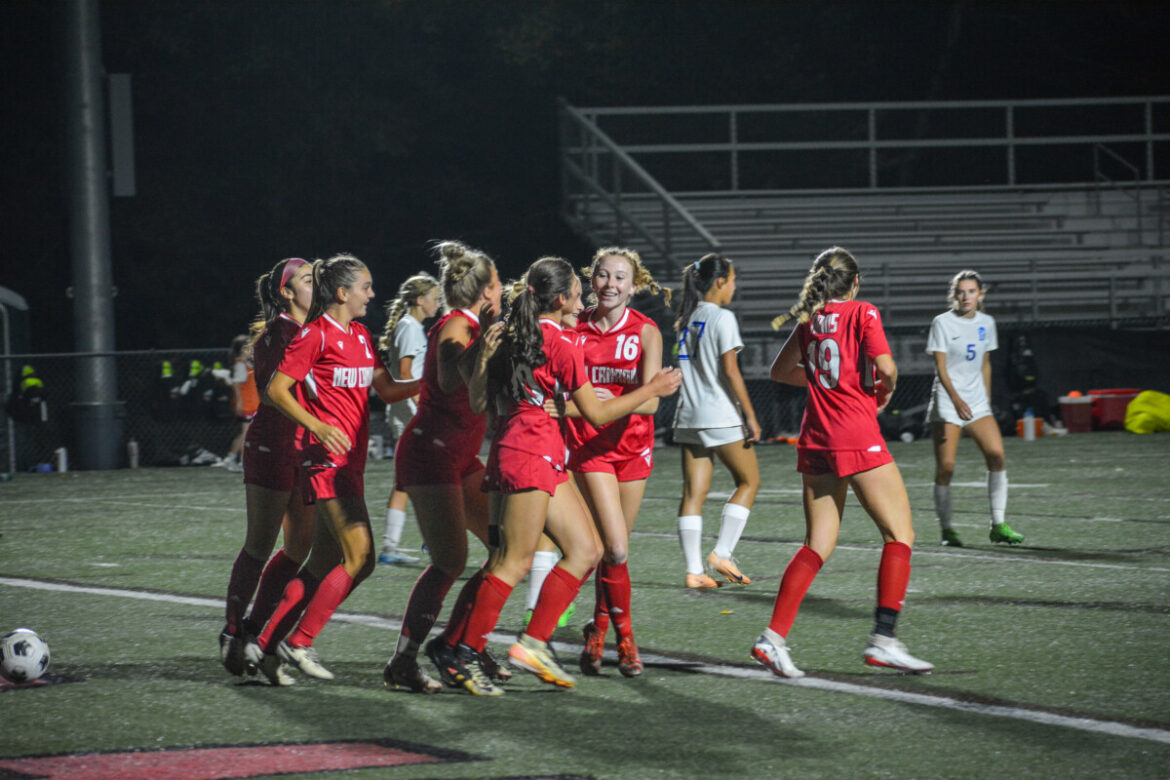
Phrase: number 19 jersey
[839,344]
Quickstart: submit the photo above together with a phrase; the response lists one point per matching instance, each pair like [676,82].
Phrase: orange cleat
[727,567]
[700,581]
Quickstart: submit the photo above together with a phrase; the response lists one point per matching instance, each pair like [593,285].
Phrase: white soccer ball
[24,656]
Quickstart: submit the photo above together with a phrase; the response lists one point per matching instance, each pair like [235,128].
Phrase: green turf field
[1051,658]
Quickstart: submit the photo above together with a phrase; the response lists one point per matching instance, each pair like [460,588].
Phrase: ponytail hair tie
[531,290]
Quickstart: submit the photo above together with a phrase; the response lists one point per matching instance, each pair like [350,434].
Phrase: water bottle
[1029,425]
[62,459]
[132,453]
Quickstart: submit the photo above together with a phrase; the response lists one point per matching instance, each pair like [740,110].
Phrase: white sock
[690,536]
[942,505]
[395,519]
[997,495]
[406,646]
[543,562]
[731,527]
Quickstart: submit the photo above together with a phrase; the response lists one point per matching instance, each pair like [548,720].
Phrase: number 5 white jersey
[705,399]
[964,341]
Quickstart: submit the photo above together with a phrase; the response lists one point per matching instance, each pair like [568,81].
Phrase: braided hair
[464,273]
[408,294]
[643,279]
[831,276]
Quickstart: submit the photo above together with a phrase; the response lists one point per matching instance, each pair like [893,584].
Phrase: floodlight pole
[99,416]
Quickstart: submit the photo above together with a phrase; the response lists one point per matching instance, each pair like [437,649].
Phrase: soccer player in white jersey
[403,346]
[961,341]
[714,418]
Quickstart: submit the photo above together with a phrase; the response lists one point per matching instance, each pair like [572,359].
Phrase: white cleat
[303,658]
[775,655]
[888,652]
[269,665]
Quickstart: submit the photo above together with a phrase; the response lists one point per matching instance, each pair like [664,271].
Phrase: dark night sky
[269,129]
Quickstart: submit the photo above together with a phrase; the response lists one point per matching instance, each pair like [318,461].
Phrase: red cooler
[1109,407]
[1077,413]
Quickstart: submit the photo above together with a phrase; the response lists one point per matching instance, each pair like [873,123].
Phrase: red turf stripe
[208,763]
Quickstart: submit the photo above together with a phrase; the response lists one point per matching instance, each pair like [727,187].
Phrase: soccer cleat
[231,653]
[475,679]
[1002,532]
[727,568]
[888,652]
[492,667]
[700,581]
[442,655]
[403,672]
[396,558]
[775,657]
[303,658]
[590,662]
[269,665]
[629,664]
[950,538]
[537,657]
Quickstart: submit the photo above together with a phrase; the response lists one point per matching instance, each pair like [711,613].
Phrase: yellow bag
[1148,413]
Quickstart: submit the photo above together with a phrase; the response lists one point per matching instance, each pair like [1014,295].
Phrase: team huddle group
[570,393]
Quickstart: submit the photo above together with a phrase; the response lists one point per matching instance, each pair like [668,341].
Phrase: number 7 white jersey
[964,341]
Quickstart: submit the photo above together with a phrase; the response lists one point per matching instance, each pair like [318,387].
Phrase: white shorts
[942,410]
[708,437]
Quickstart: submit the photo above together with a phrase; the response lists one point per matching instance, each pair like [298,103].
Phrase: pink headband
[290,268]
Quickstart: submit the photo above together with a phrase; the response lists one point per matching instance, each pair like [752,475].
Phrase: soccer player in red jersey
[622,350]
[437,458]
[336,360]
[834,352]
[271,466]
[530,489]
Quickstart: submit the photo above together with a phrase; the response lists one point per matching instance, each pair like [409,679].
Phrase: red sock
[615,577]
[333,590]
[241,585]
[457,622]
[426,599]
[801,571]
[558,592]
[893,575]
[491,595]
[277,574]
[292,604]
[600,604]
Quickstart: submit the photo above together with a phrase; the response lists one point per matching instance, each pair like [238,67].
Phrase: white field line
[1112,728]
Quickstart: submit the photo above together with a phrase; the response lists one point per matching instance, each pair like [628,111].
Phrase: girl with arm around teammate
[834,351]
[961,341]
[714,419]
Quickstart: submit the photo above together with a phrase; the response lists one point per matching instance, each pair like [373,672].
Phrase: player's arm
[390,389]
[651,362]
[944,379]
[280,393]
[987,374]
[453,340]
[405,369]
[729,362]
[787,368]
[476,364]
[600,413]
[887,376]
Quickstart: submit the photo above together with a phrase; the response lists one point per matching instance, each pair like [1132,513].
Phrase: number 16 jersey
[839,344]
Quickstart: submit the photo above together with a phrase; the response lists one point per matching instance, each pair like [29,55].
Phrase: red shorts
[418,462]
[326,481]
[513,471]
[274,468]
[625,469]
[840,462]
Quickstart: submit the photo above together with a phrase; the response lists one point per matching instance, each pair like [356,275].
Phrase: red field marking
[219,762]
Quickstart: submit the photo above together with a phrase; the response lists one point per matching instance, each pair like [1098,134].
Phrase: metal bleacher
[1064,226]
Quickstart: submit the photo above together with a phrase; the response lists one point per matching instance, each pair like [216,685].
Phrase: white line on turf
[1112,728]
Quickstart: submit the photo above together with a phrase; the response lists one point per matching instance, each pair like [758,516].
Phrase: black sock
[884,620]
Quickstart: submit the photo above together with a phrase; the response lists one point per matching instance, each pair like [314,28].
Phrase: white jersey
[964,341]
[705,399]
[409,339]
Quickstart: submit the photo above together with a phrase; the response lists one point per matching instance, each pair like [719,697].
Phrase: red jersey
[270,427]
[613,360]
[443,417]
[527,427]
[839,344]
[337,367]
